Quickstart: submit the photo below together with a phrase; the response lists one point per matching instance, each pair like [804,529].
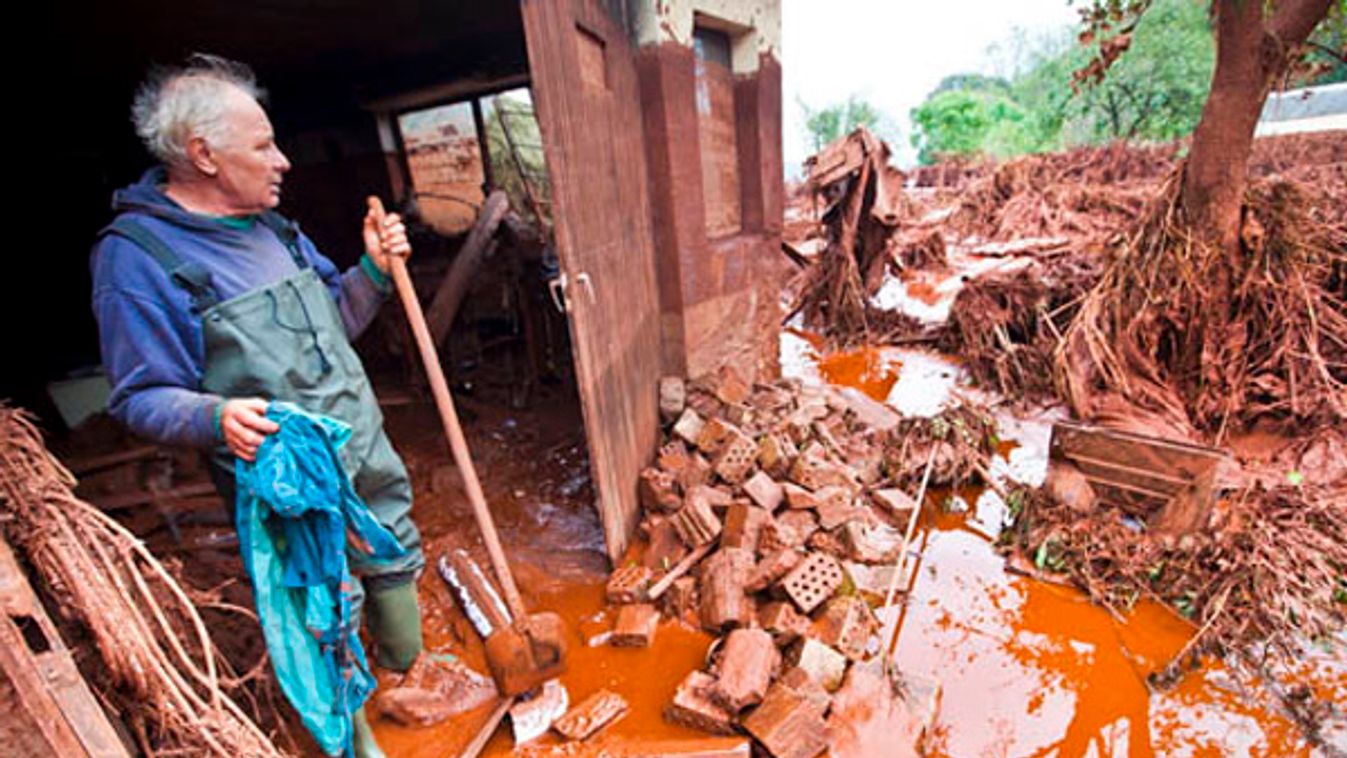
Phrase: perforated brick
[737,455]
[628,584]
[812,582]
[655,489]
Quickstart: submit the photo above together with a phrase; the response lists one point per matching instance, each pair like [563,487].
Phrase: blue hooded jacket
[151,341]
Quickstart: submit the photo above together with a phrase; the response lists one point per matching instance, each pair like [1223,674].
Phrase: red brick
[692,706]
[748,659]
[772,567]
[720,589]
[635,626]
[743,525]
[628,584]
[591,715]
[764,490]
[788,725]
[782,621]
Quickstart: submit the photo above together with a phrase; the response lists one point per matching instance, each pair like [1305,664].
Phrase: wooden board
[1135,471]
[48,708]
[585,90]
[719,149]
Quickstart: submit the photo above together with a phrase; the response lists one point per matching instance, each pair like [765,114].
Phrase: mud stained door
[583,72]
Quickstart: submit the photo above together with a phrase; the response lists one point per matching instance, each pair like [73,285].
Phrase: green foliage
[1153,91]
[1325,62]
[528,139]
[825,125]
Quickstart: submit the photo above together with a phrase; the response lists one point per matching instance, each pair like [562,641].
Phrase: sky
[893,54]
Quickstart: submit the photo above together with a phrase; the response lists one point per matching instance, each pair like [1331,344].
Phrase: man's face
[249,165]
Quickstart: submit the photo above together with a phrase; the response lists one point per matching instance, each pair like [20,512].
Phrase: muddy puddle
[1030,668]
[1027,668]
[535,471]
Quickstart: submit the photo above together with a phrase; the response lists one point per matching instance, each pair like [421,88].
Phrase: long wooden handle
[458,445]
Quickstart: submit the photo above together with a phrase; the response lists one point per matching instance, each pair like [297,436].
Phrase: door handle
[557,289]
[583,278]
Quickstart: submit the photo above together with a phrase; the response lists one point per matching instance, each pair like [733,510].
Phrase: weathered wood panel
[47,707]
[585,89]
[717,133]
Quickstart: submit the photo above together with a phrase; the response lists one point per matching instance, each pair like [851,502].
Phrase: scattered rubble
[779,544]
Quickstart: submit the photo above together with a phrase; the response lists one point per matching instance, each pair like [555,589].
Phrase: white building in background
[1311,109]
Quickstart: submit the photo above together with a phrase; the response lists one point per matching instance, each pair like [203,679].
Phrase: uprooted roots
[1175,328]
[168,674]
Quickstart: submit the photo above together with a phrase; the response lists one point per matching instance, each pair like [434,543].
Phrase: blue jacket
[151,341]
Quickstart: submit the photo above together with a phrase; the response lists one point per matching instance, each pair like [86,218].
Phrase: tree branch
[1293,20]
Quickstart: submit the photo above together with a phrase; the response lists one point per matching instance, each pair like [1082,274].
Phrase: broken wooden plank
[49,708]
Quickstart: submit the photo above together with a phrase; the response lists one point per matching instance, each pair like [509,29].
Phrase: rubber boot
[362,737]
[395,625]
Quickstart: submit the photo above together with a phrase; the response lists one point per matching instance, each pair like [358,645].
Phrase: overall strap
[190,276]
[288,232]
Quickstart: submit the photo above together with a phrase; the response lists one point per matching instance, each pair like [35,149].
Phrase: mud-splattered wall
[715,177]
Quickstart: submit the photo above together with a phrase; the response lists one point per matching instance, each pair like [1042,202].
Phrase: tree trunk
[1252,52]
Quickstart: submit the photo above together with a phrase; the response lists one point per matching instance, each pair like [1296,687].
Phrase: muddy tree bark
[1253,50]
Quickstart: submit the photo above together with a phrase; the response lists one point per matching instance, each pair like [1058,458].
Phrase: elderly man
[210,304]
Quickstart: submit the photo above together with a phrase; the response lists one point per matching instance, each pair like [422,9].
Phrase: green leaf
[1295,478]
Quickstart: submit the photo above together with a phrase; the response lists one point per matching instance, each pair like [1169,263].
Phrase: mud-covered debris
[592,714]
[693,707]
[748,661]
[635,625]
[788,725]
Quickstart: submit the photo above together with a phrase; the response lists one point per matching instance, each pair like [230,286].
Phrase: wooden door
[583,71]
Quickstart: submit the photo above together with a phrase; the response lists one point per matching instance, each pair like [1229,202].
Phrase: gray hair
[177,103]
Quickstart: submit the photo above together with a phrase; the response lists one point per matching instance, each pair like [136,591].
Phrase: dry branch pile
[1272,570]
[865,204]
[168,676]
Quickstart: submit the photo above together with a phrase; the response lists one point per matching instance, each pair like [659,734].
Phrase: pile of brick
[770,521]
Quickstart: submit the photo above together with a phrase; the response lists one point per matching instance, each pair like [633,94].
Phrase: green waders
[286,341]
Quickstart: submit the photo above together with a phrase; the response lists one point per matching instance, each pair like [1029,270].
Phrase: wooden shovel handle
[458,445]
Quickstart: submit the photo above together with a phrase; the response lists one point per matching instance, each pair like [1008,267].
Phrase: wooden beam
[49,709]
[454,287]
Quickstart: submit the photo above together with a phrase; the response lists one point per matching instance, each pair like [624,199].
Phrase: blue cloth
[151,341]
[297,515]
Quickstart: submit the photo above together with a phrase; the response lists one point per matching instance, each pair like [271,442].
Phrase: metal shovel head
[546,634]
[523,656]
[510,658]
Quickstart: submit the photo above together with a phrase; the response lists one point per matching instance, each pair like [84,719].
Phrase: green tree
[966,122]
[1154,91]
[825,125]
